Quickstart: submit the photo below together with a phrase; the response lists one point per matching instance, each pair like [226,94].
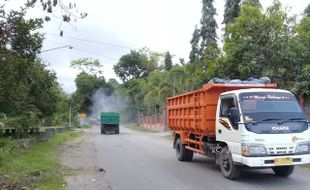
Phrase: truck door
[227,119]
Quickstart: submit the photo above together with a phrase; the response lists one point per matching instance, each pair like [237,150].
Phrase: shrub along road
[141,160]
[36,167]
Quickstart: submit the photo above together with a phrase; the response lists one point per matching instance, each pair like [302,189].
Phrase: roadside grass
[36,167]
[135,126]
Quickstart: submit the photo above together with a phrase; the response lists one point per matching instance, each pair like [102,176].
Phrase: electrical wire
[84,51]
[92,41]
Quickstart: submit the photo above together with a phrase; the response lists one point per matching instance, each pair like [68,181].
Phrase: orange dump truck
[240,125]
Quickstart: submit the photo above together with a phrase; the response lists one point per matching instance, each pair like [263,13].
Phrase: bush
[25,121]
[20,124]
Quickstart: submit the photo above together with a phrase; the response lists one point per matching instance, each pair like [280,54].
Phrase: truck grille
[280,150]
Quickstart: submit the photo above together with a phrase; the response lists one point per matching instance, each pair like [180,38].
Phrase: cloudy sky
[112,28]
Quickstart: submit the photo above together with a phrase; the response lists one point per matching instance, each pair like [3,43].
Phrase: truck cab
[262,128]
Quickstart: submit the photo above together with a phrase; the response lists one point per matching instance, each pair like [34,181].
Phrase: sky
[112,28]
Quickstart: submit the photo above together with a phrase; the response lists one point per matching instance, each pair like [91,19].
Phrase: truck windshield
[269,106]
[272,112]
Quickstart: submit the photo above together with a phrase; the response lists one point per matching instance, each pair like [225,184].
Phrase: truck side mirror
[234,116]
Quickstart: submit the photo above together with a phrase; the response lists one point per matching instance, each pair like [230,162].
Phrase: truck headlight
[253,149]
[302,148]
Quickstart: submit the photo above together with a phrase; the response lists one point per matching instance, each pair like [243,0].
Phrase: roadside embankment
[27,164]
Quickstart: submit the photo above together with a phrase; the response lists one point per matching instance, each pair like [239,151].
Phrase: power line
[96,42]
[92,41]
[89,52]
[56,48]
[99,42]
[84,51]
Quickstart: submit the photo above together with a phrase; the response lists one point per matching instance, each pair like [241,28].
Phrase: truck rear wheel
[182,153]
[117,129]
[228,168]
[283,171]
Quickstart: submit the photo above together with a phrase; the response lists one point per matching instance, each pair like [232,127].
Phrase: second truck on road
[109,122]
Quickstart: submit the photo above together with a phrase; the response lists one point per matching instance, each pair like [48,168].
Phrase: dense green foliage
[265,44]
[194,54]
[254,3]
[87,82]
[205,34]
[29,93]
[232,10]
[137,64]
[168,61]
[208,26]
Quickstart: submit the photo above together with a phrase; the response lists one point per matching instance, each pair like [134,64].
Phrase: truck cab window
[227,104]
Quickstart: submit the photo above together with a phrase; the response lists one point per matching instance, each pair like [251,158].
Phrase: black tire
[117,129]
[102,129]
[283,171]
[182,153]
[228,168]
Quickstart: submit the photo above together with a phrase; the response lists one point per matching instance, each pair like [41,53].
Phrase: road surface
[136,160]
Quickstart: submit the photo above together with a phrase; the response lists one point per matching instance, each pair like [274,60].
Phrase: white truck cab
[262,128]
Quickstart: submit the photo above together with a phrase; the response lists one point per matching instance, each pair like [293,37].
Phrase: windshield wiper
[296,119]
[264,120]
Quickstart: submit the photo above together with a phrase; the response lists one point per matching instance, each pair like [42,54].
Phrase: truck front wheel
[228,168]
[102,129]
[182,153]
[283,171]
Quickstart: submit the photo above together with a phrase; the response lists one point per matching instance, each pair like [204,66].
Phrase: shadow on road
[261,177]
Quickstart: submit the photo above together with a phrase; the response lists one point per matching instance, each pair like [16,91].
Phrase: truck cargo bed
[195,112]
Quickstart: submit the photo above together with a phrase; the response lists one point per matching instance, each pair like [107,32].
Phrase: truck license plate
[282,161]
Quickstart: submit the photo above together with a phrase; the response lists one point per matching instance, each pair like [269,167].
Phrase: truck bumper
[270,161]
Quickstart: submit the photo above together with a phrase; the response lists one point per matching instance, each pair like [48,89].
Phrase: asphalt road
[144,161]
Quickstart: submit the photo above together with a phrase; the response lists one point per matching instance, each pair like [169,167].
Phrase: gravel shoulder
[80,165]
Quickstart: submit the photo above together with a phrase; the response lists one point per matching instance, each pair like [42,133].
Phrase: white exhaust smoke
[113,103]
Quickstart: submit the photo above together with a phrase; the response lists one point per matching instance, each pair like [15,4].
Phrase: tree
[88,65]
[86,84]
[135,90]
[208,26]
[168,61]
[232,10]
[20,36]
[137,64]
[29,92]
[132,65]
[152,98]
[194,54]
[26,85]
[302,82]
[307,11]
[261,44]
[255,3]
[114,83]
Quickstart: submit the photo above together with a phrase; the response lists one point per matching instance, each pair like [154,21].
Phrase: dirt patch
[80,165]
[7,183]
[21,183]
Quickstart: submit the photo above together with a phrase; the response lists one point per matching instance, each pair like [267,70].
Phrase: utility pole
[70,117]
